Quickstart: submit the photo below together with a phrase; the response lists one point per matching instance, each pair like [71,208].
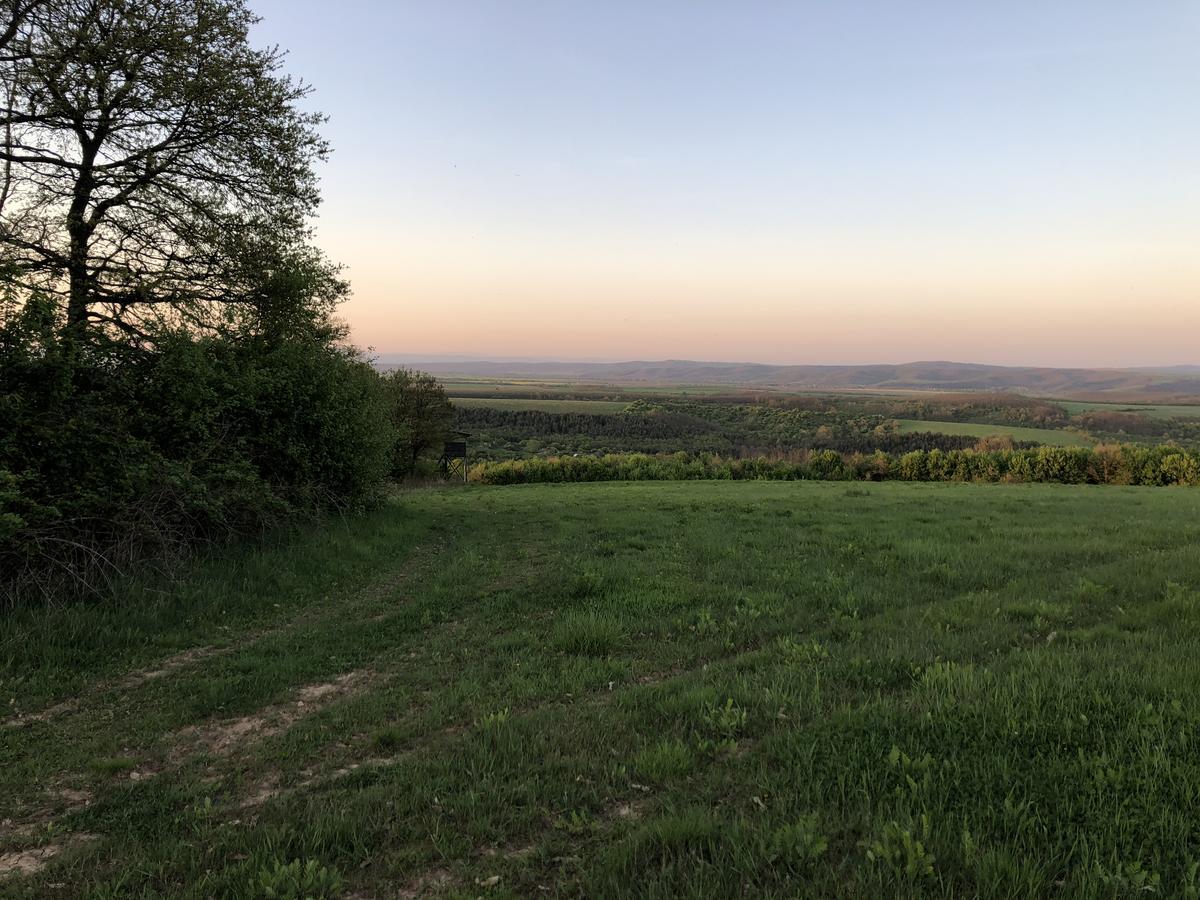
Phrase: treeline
[526,422]
[1122,464]
[980,408]
[1015,409]
[731,430]
[1117,424]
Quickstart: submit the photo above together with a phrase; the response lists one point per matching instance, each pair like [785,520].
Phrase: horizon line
[450,358]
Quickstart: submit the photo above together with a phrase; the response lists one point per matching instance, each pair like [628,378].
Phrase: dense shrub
[116,454]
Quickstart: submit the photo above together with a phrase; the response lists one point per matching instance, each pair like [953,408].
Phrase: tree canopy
[156,167]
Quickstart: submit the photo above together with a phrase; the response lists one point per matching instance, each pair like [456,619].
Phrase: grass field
[1052,436]
[1155,411]
[555,406]
[612,690]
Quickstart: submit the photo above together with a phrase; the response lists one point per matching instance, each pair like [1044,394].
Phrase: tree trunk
[80,232]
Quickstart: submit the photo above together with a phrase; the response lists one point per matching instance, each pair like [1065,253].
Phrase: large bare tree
[157,167]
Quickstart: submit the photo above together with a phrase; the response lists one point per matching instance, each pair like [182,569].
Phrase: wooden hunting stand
[453,462]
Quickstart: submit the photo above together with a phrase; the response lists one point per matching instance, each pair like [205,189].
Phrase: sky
[801,182]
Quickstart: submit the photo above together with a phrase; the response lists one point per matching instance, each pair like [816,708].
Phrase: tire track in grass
[188,658]
[181,660]
[621,809]
[222,738]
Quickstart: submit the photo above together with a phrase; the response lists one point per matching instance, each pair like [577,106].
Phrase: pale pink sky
[823,183]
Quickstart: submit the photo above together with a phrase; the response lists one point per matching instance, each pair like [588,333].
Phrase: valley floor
[632,689]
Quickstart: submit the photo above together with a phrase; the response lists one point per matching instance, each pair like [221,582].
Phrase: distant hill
[1179,383]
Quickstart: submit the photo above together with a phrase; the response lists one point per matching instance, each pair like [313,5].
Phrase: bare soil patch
[23,863]
[170,664]
[224,737]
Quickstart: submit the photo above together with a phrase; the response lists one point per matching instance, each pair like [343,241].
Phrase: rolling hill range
[1163,384]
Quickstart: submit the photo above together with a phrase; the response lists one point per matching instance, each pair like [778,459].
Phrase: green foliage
[182,196]
[1124,464]
[420,414]
[726,720]
[797,845]
[731,429]
[1128,879]
[903,852]
[169,370]
[116,454]
[296,880]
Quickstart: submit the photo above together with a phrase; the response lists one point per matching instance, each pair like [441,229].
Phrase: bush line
[1112,464]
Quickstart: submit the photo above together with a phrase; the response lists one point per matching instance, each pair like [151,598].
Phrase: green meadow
[1155,411]
[1052,436]
[703,689]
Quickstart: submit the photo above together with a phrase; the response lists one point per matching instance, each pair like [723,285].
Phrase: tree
[159,168]
[421,416]
[13,16]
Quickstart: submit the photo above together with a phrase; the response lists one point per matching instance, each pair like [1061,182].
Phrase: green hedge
[1118,464]
[119,456]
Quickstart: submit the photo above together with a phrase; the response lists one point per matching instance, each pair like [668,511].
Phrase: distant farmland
[545,405]
[1154,410]
[1043,435]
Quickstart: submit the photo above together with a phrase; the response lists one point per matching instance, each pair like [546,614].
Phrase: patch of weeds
[902,851]
[200,816]
[797,845]
[1191,881]
[1128,878]
[706,623]
[916,774]
[587,634]
[802,652]
[713,748]
[577,821]
[494,721]
[844,621]
[296,880]
[751,609]
[728,720]
[667,759]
